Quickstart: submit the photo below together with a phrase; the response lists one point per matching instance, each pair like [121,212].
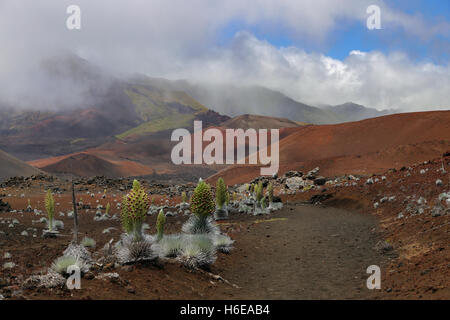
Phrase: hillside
[349,112]
[147,154]
[363,147]
[234,101]
[113,107]
[247,121]
[11,167]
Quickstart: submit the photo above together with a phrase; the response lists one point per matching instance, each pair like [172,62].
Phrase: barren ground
[300,252]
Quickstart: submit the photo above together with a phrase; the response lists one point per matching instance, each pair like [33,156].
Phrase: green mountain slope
[161,110]
[237,100]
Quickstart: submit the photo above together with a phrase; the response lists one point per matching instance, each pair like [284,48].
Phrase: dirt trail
[305,252]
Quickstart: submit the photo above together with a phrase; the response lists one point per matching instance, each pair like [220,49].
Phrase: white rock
[421,200]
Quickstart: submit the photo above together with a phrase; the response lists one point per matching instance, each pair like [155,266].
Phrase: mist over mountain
[350,111]
[233,100]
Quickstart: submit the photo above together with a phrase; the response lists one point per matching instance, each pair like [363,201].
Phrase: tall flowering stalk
[135,206]
[221,193]
[202,202]
[50,207]
[160,221]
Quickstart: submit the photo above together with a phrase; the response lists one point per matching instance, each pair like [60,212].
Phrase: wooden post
[75,214]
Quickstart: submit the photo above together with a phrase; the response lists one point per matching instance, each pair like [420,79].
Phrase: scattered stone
[320,181]
[295,183]
[111,276]
[437,211]
[108,230]
[383,246]
[421,200]
[171,214]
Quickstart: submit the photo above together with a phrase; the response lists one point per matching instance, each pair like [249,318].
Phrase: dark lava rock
[291,174]
[264,180]
[276,199]
[320,181]
[317,198]
[4,206]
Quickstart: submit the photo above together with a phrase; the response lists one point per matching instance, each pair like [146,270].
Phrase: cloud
[370,78]
[178,39]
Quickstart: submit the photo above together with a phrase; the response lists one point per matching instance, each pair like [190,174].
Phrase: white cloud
[178,39]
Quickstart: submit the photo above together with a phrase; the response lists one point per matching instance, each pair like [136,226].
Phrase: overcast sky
[315,51]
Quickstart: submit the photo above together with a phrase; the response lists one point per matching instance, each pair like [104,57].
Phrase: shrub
[270,192]
[88,242]
[134,209]
[160,221]
[61,264]
[184,198]
[259,191]
[79,252]
[171,245]
[130,251]
[200,225]
[199,251]
[223,243]
[221,193]
[50,207]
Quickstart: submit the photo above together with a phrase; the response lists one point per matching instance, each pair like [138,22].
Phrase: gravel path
[305,252]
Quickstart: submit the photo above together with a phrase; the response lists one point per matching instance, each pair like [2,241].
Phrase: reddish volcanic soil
[301,252]
[363,147]
[308,264]
[420,241]
[85,164]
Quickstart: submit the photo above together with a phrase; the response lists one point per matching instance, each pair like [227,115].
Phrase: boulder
[4,206]
[320,181]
